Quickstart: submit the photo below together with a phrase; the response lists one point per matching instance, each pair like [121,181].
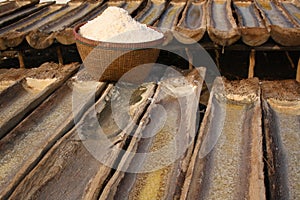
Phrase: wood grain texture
[281,106]
[227,161]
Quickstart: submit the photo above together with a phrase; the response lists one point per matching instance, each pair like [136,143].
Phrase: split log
[78,166]
[157,157]
[282,28]
[151,13]
[281,106]
[221,26]
[252,27]
[24,146]
[227,161]
[25,95]
[192,25]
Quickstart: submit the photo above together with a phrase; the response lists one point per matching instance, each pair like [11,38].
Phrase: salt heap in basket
[114,46]
[117,26]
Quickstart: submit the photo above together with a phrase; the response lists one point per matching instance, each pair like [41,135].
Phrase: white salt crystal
[116,25]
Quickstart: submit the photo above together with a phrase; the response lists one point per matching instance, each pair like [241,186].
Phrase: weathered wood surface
[281,106]
[8,7]
[192,25]
[45,35]
[21,148]
[151,13]
[79,164]
[157,157]
[283,29]
[292,8]
[221,26]
[251,25]
[227,161]
[14,34]
[142,129]
[8,77]
[169,18]
[6,20]
[43,24]
[25,95]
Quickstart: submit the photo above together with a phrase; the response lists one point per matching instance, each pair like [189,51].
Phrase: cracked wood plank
[155,162]
[78,165]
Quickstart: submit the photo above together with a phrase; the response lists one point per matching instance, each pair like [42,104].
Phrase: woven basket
[107,61]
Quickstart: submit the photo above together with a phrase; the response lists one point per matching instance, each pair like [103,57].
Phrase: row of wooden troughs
[146,141]
[225,21]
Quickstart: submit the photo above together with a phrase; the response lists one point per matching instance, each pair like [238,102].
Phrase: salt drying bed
[228,158]
[247,145]
[281,107]
[20,97]
[45,23]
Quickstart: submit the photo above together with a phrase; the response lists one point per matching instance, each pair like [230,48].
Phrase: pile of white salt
[116,25]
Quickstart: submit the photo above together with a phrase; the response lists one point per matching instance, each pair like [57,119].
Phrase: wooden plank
[251,25]
[192,25]
[45,35]
[5,20]
[9,7]
[24,96]
[24,146]
[221,26]
[71,170]
[10,77]
[292,9]
[283,28]
[281,106]
[227,161]
[71,17]
[14,34]
[157,157]
[151,12]
[169,19]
